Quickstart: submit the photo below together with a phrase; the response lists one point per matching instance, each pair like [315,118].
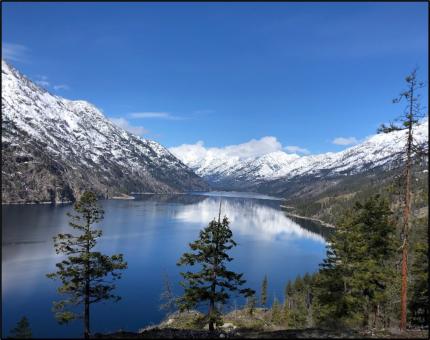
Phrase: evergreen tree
[288,303]
[264,291]
[167,296]
[214,280]
[87,276]
[22,330]
[351,288]
[286,314]
[298,313]
[419,301]
[289,294]
[276,312]
[308,297]
[410,117]
[251,303]
[330,288]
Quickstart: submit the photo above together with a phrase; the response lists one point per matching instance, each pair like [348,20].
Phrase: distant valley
[275,171]
[54,148]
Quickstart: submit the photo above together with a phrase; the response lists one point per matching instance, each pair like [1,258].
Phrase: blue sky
[226,73]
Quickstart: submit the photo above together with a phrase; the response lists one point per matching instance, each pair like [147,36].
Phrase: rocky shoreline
[239,324]
[325,224]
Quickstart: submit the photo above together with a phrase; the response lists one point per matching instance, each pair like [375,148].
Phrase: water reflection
[248,217]
[152,232]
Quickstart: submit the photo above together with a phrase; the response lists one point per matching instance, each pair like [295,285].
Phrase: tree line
[358,284]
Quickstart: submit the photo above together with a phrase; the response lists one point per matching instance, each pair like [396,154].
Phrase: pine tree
[375,271]
[86,276]
[276,312]
[289,294]
[22,330]
[409,119]
[351,287]
[298,314]
[167,296]
[264,291]
[214,280]
[286,314]
[288,303]
[419,300]
[308,296]
[251,303]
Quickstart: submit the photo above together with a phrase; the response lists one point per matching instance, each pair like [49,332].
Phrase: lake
[152,232]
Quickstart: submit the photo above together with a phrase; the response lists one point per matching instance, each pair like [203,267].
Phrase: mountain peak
[55,148]
[376,151]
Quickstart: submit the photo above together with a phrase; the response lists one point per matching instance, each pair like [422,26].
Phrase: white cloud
[190,153]
[296,149]
[14,52]
[251,219]
[125,124]
[43,83]
[254,148]
[158,115]
[345,141]
[61,87]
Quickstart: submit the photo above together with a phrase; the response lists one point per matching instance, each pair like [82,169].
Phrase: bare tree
[409,118]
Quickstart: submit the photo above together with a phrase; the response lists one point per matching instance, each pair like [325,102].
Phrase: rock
[228,325]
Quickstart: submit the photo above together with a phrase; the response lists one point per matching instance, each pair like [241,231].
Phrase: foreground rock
[239,324]
[172,333]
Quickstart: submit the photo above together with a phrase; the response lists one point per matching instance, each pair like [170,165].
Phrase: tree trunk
[87,313]
[211,311]
[214,277]
[87,292]
[404,286]
[406,213]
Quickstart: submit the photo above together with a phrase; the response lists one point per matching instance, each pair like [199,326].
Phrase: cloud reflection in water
[247,217]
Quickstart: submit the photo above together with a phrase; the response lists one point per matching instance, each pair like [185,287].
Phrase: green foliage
[335,200]
[22,330]
[87,276]
[388,128]
[296,309]
[419,302]
[277,317]
[213,281]
[251,304]
[167,297]
[263,296]
[351,288]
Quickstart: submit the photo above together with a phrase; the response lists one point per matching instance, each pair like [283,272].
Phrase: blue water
[152,232]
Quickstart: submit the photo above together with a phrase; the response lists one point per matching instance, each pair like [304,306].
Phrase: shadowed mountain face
[54,148]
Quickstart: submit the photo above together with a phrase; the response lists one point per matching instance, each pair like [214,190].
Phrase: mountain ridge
[55,148]
[383,151]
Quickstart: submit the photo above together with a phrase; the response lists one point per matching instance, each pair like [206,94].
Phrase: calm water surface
[152,232]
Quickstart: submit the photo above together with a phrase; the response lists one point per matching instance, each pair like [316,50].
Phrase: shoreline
[131,197]
[41,202]
[123,197]
[325,224]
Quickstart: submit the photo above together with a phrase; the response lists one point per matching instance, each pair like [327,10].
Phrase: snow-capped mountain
[54,148]
[379,151]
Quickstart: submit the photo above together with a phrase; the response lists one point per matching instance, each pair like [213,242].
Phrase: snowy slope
[54,148]
[381,150]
